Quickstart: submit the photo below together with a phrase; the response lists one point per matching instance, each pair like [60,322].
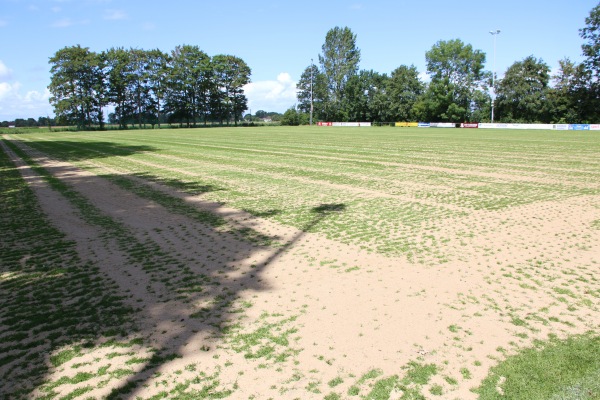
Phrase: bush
[294,118]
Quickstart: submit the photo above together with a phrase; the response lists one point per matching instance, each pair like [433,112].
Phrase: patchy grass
[282,177]
[55,307]
[557,369]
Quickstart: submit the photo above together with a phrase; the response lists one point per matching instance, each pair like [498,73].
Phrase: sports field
[279,262]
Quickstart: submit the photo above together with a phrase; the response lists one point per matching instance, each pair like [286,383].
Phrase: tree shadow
[80,151]
[186,266]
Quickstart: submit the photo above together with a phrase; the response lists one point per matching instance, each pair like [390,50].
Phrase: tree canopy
[522,95]
[186,85]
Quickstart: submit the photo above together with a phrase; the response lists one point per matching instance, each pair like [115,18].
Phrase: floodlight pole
[494,34]
[311,92]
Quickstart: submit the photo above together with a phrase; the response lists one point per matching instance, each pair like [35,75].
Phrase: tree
[147,86]
[143,103]
[157,75]
[230,75]
[77,86]
[522,95]
[339,62]
[591,48]
[404,89]
[120,78]
[261,114]
[189,84]
[313,79]
[294,118]
[457,73]
[365,97]
[572,97]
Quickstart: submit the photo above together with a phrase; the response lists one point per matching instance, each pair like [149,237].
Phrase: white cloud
[68,22]
[8,90]
[274,95]
[15,104]
[63,23]
[5,72]
[114,15]
[424,77]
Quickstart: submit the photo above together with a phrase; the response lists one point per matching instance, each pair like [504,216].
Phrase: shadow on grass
[69,150]
[182,254]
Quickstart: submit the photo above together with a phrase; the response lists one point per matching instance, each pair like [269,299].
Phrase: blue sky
[277,39]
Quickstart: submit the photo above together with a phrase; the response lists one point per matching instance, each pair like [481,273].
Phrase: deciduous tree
[189,84]
[523,92]
[456,72]
[230,74]
[339,62]
[404,89]
[77,86]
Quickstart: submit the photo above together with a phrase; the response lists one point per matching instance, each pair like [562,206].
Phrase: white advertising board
[515,126]
[351,124]
[442,125]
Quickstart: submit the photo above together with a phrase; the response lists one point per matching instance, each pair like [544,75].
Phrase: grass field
[190,263]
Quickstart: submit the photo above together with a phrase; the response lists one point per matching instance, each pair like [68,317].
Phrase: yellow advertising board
[407,124]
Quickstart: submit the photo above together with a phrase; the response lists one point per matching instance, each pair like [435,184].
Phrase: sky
[277,39]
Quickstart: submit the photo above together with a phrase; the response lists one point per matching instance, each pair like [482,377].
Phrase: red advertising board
[324,124]
[469,125]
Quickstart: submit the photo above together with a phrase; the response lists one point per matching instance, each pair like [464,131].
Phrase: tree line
[146,86]
[29,122]
[459,90]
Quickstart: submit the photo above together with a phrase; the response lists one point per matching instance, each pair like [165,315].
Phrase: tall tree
[457,71]
[230,74]
[157,76]
[189,84]
[339,62]
[77,86]
[591,48]
[572,99]
[523,93]
[142,98]
[404,89]
[312,79]
[119,81]
[365,97]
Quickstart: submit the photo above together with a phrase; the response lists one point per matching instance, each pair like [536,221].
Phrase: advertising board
[579,127]
[469,125]
[516,126]
[324,123]
[424,124]
[594,127]
[407,124]
[442,125]
[356,124]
